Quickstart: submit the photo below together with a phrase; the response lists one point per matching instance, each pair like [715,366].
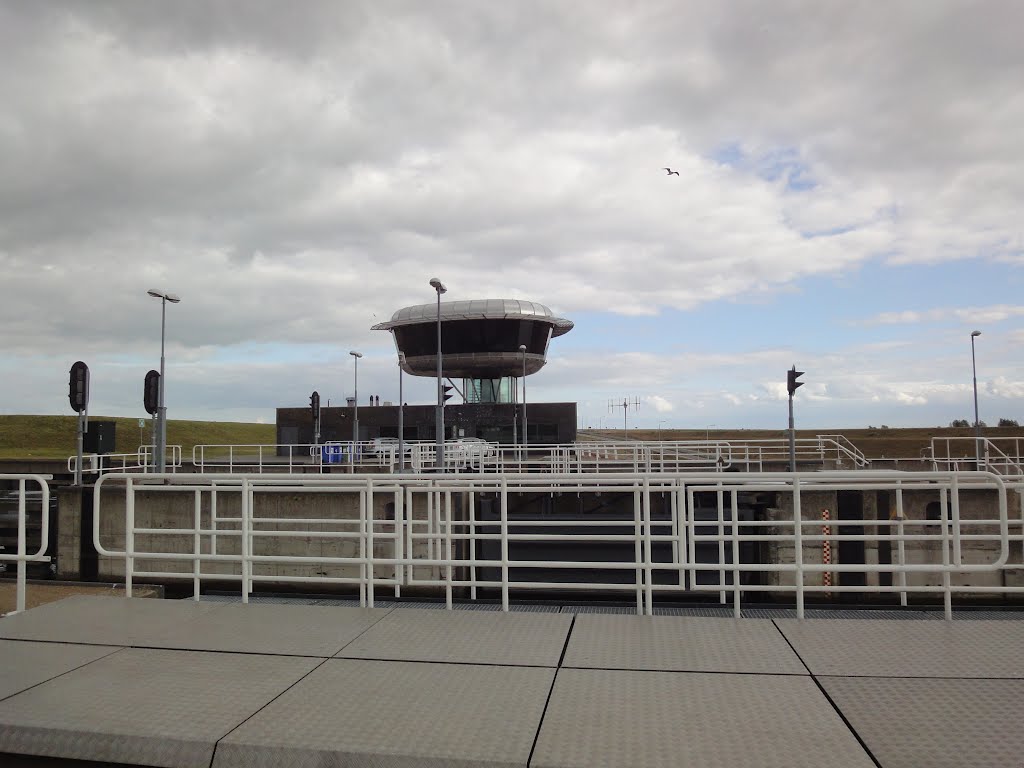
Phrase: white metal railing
[140,461]
[98,463]
[465,532]
[839,448]
[465,455]
[970,453]
[22,556]
[340,454]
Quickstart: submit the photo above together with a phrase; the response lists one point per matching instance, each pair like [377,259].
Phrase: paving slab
[293,630]
[879,648]
[939,723]
[642,719]
[27,663]
[464,637]
[145,706]
[122,621]
[680,643]
[395,715]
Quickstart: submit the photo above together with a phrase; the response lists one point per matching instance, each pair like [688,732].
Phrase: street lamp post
[977,421]
[707,433]
[438,286]
[660,422]
[355,416]
[522,350]
[161,437]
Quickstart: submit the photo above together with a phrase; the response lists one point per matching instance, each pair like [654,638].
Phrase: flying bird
[671,172]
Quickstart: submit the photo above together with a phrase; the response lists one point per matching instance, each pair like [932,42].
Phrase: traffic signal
[151,392]
[314,404]
[446,392]
[78,386]
[791,380]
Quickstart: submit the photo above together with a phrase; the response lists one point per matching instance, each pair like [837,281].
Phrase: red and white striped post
[826,550]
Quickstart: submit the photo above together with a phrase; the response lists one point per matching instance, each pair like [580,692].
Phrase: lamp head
[171,297]
[522,348]
[438,285]
[975,333]
[356,354]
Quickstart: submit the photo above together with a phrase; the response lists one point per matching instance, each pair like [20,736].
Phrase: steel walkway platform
[93,681]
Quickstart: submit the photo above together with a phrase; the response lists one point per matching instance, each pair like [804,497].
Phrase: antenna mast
[627,404]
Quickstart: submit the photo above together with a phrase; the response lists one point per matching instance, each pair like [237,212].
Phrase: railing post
[246,524]
[648,554]
[371,596]
[213,518]
[361,511]
[638,571]
[19,603]
[472,544]
[448,549]
[798,547]
[954,497]
[901,544]
[399,533]
[736,593]
[197,545]
[681,530]
[947,594]
[504,544]
[129,535]
[720,500]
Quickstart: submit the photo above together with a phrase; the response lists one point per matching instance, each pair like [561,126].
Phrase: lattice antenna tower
[627,404]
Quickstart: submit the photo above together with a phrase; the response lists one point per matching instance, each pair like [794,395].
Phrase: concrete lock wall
[336,512]
[176,509]
[917,504]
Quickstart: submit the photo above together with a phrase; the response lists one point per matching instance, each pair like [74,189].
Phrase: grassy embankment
[54,436]
[876,443]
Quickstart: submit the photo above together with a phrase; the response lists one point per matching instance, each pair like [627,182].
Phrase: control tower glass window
[469,336]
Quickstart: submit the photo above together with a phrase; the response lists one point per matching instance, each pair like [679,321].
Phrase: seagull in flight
[671,172]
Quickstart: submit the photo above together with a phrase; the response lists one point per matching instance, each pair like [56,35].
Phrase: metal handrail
[992,458]
[480,456]
[22,557]
[98,463]
[423,543]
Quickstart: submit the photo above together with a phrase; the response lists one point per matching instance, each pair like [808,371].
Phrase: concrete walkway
[216,683]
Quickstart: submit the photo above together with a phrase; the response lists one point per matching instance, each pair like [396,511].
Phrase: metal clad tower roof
[477,309]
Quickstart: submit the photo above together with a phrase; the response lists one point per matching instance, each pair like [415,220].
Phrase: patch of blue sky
[730,154]
[824,313]
[830,232]
[782,163]
[785,164]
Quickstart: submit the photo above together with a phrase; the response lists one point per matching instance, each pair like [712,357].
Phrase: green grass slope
[875,442]
[54,436]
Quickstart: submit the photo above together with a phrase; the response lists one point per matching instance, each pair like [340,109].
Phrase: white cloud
[660,404]
[977,315]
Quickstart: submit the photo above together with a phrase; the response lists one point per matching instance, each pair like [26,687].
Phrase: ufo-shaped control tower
[480,342]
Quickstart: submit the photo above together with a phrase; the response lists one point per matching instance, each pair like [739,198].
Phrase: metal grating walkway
[121,681]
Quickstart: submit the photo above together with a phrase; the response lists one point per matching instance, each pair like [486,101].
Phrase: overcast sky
[850,199]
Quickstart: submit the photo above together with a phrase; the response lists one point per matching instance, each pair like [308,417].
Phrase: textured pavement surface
[312,683]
